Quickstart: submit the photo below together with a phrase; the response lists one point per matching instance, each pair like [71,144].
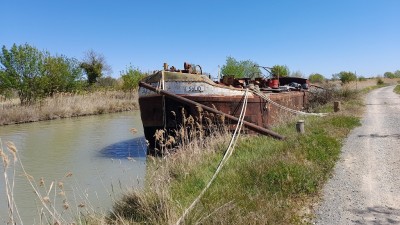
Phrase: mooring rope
[265,97]
[227,154]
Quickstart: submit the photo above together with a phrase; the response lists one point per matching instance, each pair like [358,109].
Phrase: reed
[266,181]
[65,105]
[9,181]
[156,204]
[61,201]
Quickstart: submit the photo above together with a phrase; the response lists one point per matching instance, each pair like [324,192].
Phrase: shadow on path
[378,215]
[381,135]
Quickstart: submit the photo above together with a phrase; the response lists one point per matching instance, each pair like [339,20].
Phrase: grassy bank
[67,105]
[266,181]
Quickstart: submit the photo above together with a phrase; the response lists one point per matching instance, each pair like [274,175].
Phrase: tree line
[250,69]
[33,74]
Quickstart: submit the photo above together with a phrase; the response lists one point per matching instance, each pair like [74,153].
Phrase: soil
[365,185]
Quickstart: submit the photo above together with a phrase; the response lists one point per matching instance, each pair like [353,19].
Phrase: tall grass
[64,105]
[187,150]
[266,181]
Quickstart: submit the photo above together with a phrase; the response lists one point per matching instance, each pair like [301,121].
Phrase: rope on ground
[227,154]
[265,97]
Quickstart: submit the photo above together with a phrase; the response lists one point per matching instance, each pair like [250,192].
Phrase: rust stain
[161,112]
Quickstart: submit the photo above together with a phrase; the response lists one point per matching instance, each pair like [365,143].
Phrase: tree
[280,70]
[346,77]
[389,75]
[240,69]
[23,67]
[316,78]
[131,78]
[95,65]
[61,74]
[3,89]
[397,73]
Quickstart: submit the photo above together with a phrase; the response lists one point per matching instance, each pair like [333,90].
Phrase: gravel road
[365,185]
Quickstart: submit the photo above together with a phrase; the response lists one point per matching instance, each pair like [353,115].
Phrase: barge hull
[161,112]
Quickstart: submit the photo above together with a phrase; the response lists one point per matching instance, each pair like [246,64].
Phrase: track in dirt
[365,186]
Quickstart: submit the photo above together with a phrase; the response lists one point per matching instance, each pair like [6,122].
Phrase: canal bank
[265,181]
[67,105]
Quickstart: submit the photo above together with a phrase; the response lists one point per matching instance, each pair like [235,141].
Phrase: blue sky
[310,36]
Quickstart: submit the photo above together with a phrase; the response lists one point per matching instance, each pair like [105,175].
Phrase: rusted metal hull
[161,112]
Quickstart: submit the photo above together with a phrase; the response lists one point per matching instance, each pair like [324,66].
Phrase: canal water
[82,164]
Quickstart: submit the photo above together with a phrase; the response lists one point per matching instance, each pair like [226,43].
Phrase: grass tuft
[397,89]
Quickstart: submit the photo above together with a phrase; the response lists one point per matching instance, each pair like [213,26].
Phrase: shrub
[280,70]
[240,69]
[316,78]
[346,77]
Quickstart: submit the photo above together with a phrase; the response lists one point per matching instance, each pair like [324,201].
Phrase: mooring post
[300,126]
[336,106]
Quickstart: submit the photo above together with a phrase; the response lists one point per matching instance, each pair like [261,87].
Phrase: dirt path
[365,186]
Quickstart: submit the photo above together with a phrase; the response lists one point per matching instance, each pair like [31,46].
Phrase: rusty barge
[169,95]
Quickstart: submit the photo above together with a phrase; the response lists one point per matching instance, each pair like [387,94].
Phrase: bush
[240,69]
[379,81]
[330,93]
[280,70]
[316,78]
[346,77]
[397,89]
[131,78]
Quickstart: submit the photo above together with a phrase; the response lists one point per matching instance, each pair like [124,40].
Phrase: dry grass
[360,85]
[265,182]
[348,93]
[66,105]
[156,203]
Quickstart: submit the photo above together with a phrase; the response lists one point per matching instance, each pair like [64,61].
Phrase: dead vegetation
[65,105]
